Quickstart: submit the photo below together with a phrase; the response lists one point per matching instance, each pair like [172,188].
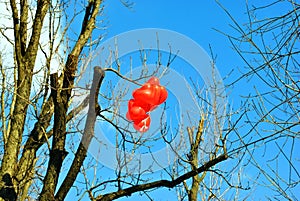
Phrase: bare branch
[162,183]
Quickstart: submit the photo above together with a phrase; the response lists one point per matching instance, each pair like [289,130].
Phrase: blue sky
[198,21]
[195,19]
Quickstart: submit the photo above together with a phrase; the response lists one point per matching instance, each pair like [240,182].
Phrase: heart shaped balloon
[137,102]
[151,94]
[135,113]
[145,99]
[143,125]
[163,94]
[153,80]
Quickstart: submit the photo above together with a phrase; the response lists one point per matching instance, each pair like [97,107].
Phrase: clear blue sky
[195,19]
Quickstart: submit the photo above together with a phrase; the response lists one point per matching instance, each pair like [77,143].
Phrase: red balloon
[163,95]
[143,125]
[128,116]
[135,102]
[151,94]
[153,80]
[146,106]
[144,94]
[146,99]
[135,113]
[130,103]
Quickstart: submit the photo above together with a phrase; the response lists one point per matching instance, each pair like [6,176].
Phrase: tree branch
[58,153]
[24,73]
[161,183]
[87,137]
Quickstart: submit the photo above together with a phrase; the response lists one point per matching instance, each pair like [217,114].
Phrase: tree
[269,46]
[36,112]
[19,160]
[45,144]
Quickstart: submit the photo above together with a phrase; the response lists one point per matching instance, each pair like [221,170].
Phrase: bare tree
[44,146]
[30,104]
[36,112]
[269,46]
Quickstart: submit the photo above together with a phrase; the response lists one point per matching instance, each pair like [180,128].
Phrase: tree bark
[58,153]
[80,155]
[25,60]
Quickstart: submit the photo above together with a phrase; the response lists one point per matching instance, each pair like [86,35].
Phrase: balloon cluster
[145,99]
